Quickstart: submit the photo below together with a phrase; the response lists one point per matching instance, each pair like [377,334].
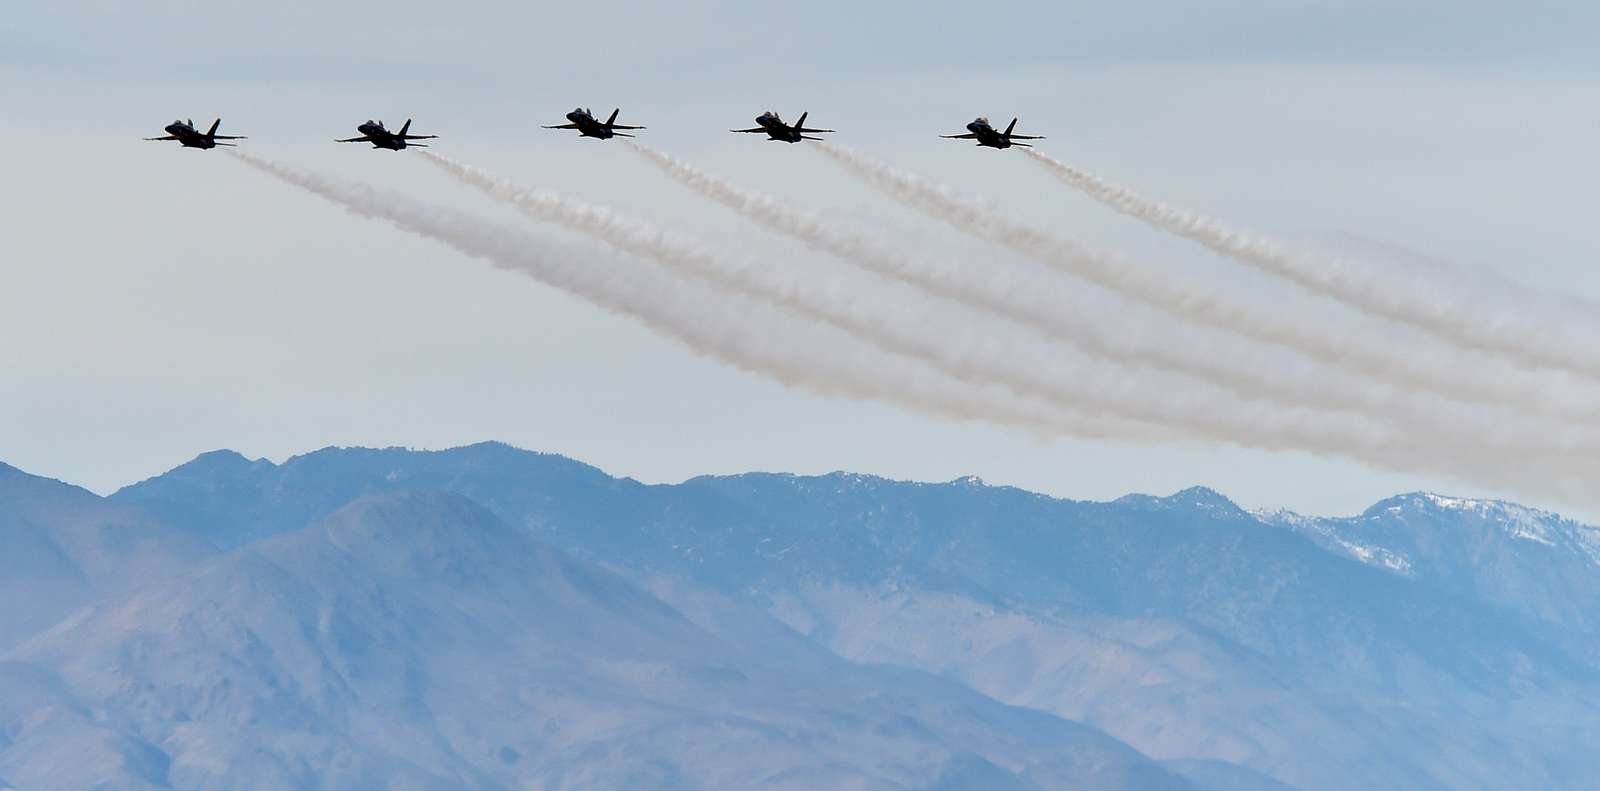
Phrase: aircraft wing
[757,129]
[418,137]
[967,136]
[362,139]
[563,126]
[620,126]
[1026,137]
[811,131]
[229,137]
[168,137]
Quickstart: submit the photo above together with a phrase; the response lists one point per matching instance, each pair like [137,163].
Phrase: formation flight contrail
[1251,423]
[1379,362]
[1192,409]
[1480,326]
[799,354]
[863,346]
[1052,306]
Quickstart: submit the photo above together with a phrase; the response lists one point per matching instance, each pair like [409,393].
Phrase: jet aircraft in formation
[982,131]
[774,128]
[583,120]
[374,132]
[189,137]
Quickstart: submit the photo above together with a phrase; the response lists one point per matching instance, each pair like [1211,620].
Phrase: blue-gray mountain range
[487,617]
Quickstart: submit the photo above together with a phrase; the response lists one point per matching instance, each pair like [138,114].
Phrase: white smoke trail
[976,359]
[870,322]
[799,354]
[1370,257]
[1516,334]
[1044,304]
[1369,359]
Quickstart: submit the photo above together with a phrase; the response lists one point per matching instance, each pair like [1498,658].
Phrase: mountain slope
[62,547]
[415,641]
[1183,625]
[1536,563]
[1194,556]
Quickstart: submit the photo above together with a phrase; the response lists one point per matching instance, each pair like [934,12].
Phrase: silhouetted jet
[776,129]
[374,133]
[583,120]
[981,131]
[186,135]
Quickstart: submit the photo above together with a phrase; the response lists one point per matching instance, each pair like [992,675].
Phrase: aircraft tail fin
[406,127]
[1011,126]
[213,129]
[801,124]
[613,118]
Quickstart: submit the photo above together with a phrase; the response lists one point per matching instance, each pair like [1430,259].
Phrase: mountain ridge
[211,460]
[414,640]
[1402,641]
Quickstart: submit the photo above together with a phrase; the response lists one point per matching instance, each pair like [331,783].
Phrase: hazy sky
[158,302]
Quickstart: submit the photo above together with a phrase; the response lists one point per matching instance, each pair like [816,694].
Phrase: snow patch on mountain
[1329,536]
[1519,521]
[1363,537]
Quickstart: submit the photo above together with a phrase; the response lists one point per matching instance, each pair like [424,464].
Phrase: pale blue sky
[162,302]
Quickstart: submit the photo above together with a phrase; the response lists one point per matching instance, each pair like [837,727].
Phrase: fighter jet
[775,129]
[981,131]
[186,135]
[583,120]
[373,132]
